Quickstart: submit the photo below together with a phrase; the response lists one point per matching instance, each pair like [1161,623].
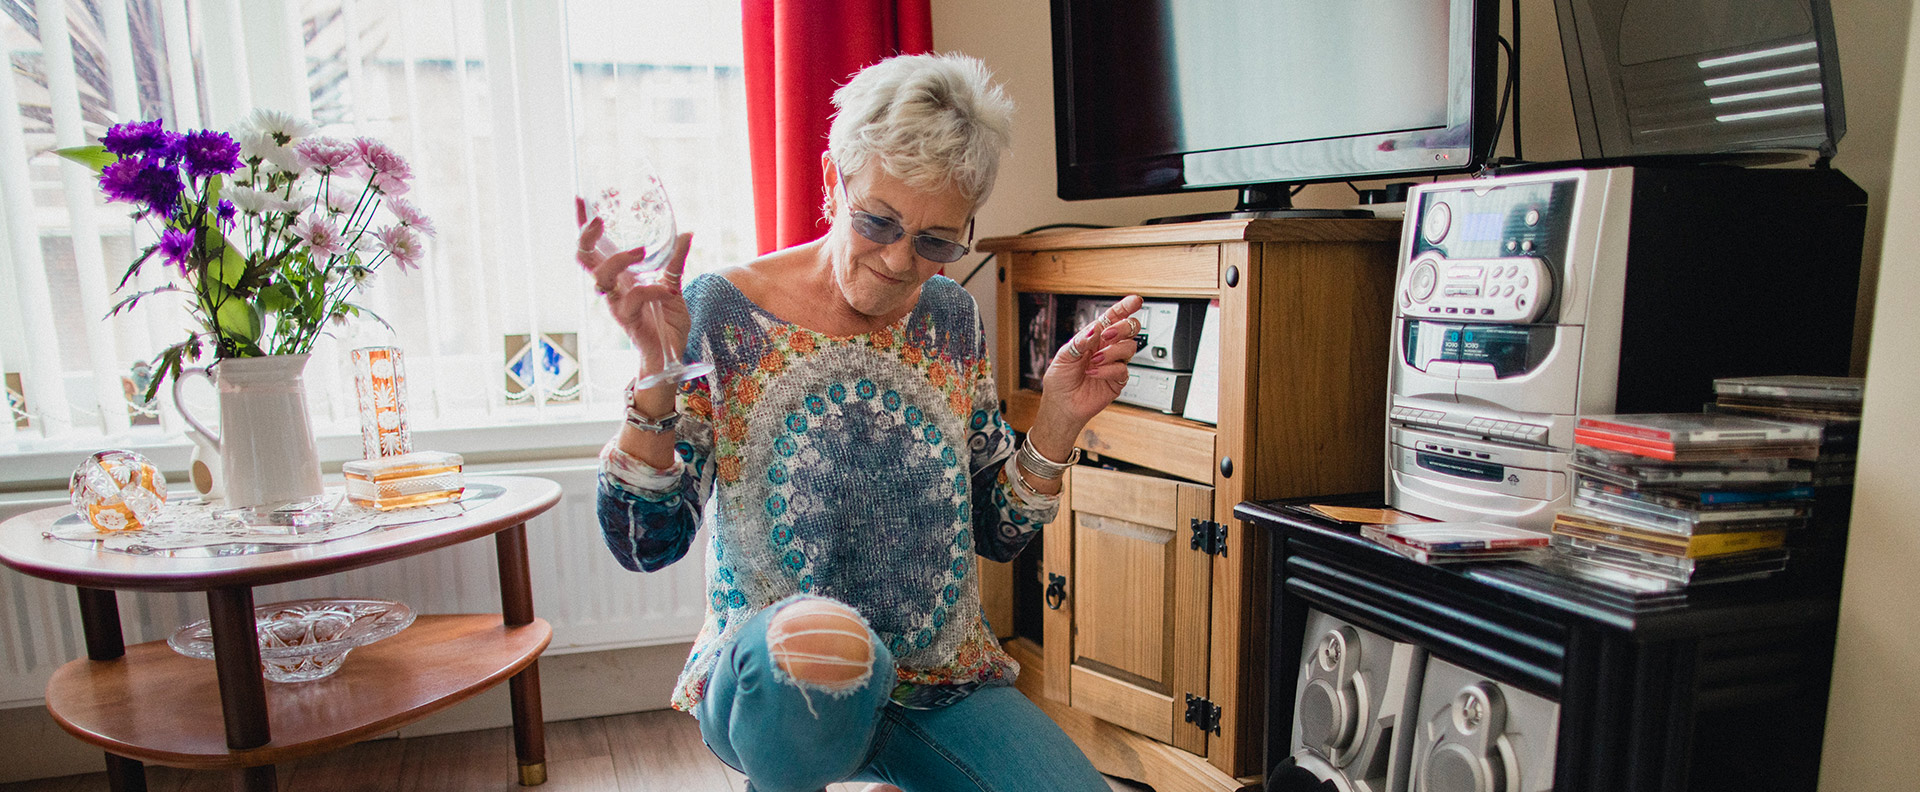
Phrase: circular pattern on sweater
[866,499]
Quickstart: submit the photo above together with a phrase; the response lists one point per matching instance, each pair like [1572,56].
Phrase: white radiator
[591,601]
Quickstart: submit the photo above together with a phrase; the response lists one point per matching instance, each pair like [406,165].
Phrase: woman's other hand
[629,293]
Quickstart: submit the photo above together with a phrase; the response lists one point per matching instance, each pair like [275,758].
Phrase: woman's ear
[829,176]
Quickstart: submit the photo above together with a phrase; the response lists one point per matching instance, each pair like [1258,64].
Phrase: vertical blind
[503,108]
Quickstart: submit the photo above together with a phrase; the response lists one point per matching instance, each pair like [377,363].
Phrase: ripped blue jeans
[791,735]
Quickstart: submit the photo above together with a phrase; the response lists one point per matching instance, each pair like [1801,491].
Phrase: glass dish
[305,640]
[415,479]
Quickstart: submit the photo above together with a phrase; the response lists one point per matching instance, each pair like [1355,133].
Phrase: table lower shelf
[159,707]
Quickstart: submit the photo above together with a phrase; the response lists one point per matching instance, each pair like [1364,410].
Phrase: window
[499,106]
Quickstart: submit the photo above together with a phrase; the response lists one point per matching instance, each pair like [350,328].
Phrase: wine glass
[633,215]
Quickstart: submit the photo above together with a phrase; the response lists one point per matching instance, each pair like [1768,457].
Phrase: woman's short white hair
[931,121]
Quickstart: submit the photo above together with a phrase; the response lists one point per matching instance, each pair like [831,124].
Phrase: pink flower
[321,235]
[389,184]
[390,171]
[402,244]
[411,216]
[380,158]
[327,154]
[342,196]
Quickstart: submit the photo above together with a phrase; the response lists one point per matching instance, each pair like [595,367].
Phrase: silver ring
[1073,349]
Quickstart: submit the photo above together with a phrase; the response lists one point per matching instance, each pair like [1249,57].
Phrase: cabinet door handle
[1056,591]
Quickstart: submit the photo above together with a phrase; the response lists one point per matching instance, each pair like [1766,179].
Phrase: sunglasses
[886,231]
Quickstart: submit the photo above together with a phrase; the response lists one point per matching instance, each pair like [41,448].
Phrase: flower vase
[265,443]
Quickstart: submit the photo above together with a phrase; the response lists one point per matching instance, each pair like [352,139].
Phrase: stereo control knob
[1438,220]
[1421,283]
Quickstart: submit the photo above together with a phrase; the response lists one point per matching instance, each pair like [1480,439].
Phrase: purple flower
[176,244]
[137,137]
[139,180]
[402,244]
[225,211]
[121,181]
[208,152]
[162,187]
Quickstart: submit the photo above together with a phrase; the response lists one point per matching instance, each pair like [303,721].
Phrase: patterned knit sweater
[867,468]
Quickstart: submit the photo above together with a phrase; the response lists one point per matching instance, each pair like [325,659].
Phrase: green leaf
[134,268]
[276,298]
[136,298]
[358,310]
[168,364]
[231,266]
[95,157]
[234,318]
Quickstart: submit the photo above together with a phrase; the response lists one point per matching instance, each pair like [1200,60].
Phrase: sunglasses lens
[886,231]
[935,249]
[878,229]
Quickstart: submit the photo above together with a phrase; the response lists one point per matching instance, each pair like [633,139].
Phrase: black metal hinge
[1203,713]
[1210,537]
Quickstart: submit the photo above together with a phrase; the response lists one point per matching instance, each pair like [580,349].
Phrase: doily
[192,528]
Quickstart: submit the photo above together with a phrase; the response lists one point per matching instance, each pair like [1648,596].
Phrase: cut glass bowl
[305,640]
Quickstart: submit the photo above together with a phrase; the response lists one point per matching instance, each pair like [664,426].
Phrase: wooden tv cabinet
[1153,659]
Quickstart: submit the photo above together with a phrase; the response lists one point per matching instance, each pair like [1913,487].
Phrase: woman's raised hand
[629,292]
[1089,371]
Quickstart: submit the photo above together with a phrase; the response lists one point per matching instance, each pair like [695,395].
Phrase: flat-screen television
[1166,96]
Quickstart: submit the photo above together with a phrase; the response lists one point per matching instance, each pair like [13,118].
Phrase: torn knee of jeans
[821,644]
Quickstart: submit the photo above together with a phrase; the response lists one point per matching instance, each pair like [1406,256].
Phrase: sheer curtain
[500,106]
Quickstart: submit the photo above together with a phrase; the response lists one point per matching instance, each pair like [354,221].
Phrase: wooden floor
[638,752]
[620,753]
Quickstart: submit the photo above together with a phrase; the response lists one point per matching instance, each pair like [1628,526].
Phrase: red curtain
[797,53]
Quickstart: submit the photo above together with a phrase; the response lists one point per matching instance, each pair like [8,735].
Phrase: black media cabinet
[1725,688]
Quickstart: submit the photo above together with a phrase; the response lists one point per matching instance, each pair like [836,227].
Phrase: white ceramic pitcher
[267,456]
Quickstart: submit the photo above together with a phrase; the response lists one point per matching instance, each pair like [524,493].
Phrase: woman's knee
[822,643]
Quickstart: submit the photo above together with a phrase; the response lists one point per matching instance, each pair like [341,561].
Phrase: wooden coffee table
[148,704]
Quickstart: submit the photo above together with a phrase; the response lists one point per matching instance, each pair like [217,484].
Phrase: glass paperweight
[420,478]
[305,640]
[117,491]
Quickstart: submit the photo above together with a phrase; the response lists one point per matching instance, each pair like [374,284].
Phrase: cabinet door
[1140,602]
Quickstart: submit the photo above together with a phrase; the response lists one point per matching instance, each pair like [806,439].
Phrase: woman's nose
[899,256]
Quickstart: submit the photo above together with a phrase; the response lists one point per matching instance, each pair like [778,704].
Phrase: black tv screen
[1163,96]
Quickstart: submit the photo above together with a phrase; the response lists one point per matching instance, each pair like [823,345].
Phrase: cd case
[1457,542]
[1839,390]
[1697,436]
[1637,472]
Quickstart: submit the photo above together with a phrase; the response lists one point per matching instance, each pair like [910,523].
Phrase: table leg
[255,779]
[126,775]
[236,661]
[516,603]
[100,619]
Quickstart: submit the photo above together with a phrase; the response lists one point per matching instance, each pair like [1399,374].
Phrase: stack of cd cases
[1832,403]
[1667,501]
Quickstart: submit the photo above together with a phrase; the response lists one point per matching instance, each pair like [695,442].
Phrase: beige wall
[1873,720]
[1874,725]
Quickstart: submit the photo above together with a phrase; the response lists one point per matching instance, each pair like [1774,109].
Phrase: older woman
[849,454]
